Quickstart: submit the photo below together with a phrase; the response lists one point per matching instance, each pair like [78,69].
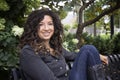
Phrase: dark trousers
[88,56]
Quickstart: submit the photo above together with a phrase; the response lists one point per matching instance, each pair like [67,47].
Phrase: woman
[42,56]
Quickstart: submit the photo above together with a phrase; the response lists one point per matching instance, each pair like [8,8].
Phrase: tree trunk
[95,29]
[79,35]
[112,25]
[82,24]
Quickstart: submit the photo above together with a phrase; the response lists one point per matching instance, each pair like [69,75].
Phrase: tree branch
[101,15]
[85,5]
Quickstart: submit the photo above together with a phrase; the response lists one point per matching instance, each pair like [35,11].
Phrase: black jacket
[44,66]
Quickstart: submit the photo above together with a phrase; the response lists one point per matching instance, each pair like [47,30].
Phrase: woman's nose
[46,27]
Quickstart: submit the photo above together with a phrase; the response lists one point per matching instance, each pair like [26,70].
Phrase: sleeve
[34,67]
[69,56]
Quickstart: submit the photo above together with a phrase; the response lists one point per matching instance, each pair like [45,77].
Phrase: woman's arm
[69,56]
[34,67]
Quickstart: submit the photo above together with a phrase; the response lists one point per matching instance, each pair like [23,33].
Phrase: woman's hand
[104,59]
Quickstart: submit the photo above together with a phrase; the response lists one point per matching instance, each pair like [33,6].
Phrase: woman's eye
[50,23]
[40,24]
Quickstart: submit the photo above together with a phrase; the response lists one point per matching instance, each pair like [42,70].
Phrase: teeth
[46,34]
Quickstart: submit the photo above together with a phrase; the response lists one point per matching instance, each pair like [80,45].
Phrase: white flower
[75,41]
[17,31]
[66,32]
[65,45]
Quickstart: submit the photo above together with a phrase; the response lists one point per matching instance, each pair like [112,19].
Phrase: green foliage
[18,10]
[98,8]
[116,42]
[8,50]
[31,5]
[3,5]
[2,26]
[103,43]
[11,17]
[15,13]
[56,6]
[69,40]
[63,14]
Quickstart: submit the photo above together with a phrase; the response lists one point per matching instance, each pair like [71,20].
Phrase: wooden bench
[112,70]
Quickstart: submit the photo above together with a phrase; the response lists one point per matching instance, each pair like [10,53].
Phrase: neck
[47,44]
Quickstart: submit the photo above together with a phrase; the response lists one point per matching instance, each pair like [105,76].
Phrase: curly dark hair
[30,35]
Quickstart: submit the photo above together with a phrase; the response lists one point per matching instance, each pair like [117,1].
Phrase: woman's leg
[87,58]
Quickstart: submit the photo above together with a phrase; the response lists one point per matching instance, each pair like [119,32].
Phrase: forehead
[47,17]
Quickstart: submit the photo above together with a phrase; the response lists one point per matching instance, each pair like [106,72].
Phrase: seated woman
[42,56]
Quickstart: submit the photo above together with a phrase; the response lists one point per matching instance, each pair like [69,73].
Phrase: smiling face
[46,28]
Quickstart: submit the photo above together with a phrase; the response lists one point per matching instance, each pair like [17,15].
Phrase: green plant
[101,42]
[69,40]
[8,45]
[8,50]
[116,43]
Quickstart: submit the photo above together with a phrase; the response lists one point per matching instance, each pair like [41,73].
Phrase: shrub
[116,44]
[9,38]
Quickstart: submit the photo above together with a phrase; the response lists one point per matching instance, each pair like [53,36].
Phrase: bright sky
[70,19]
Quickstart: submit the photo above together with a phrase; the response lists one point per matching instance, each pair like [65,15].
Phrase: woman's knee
[90,49]
[92,54]
[88,46]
